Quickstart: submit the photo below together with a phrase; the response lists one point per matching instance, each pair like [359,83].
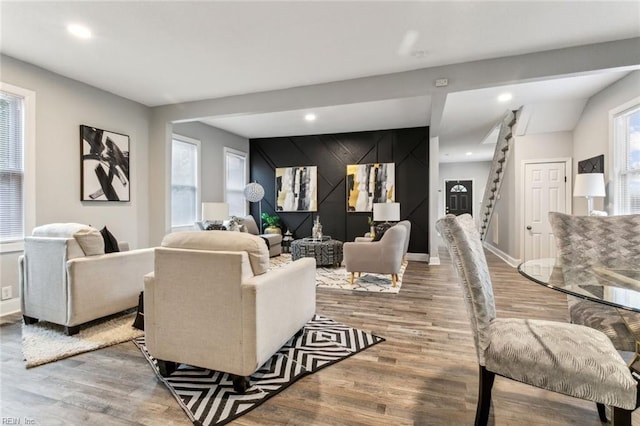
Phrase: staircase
[496,174]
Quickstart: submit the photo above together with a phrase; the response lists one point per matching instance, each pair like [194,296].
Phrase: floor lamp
[254,193]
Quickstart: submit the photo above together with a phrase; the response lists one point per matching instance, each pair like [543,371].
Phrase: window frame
[616,163]
[29,163]
[227,151]
[198,144]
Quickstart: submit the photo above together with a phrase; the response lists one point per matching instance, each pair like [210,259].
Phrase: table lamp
[386,212]
[215,212]
[589,185]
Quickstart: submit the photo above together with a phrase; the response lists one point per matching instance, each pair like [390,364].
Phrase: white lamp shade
[215,211]
[386,212]
[253,192]
[589,185]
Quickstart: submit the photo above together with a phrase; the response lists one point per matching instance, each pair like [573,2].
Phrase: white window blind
[235,181]
[11,168]
[626,134]
[185,189]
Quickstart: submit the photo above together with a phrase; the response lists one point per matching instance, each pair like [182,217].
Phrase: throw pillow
[90,240]
[381,228]
[110,242]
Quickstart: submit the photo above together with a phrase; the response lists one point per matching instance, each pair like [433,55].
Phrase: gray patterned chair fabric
[566,358]
[607,241]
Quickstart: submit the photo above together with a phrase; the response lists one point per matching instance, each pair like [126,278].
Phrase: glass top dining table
[619,287]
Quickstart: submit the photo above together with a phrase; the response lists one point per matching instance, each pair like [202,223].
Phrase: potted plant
[272,222]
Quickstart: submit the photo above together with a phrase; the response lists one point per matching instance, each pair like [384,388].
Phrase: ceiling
[168,52]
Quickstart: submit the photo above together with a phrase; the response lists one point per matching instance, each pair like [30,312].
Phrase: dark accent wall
[331,153]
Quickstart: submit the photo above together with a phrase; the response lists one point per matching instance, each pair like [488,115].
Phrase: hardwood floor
[424,374]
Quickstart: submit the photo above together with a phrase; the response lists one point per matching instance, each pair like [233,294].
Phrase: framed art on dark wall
[368,184]
[104,167]
[297,189]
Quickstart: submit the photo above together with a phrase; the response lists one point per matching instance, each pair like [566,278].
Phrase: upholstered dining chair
[566,358]
[607,241]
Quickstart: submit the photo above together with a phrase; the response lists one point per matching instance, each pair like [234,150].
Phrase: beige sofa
[211,302]
[67,279]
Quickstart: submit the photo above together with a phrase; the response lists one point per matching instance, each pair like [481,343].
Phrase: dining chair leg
[484,396]
[620,417]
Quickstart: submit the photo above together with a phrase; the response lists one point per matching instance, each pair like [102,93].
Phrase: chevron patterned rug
[339,278]
[208,398]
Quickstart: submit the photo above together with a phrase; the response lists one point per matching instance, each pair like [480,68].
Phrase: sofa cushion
[88,237]
[255,246]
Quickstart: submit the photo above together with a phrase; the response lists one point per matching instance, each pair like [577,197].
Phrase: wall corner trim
[435,260]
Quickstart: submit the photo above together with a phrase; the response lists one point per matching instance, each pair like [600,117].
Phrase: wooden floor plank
[425,373]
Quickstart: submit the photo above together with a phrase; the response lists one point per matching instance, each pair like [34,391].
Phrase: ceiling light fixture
[505,97]
[79,31]
[469,153]
[310,117]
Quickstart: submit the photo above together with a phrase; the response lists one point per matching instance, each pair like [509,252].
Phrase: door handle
[529,228]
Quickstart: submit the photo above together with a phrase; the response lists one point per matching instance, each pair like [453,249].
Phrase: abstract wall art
[368,184]
[297,189]
[104,165]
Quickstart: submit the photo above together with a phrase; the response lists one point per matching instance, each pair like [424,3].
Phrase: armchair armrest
[279,303]
[365,239]
[116,277]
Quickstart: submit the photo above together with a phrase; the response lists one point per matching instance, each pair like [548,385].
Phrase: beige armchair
[274,241]
[212,303]
[67,279]
[406,223]
[381,257]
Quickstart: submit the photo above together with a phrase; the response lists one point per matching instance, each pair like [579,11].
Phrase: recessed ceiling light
[310,117]
[79,31]
[468,153]
[505,97]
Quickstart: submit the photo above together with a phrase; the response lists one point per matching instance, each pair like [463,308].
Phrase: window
[185,182]
[626,142]
[235,169]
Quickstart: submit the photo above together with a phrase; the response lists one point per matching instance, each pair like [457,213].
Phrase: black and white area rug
[208,398]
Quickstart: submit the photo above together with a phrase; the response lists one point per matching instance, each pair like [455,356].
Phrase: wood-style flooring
[424,374]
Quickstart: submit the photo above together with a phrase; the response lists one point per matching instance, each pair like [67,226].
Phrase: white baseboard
[417,257]
[435,260]
[511,261]
[9,306]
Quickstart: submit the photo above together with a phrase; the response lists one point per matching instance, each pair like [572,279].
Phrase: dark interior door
[459,197]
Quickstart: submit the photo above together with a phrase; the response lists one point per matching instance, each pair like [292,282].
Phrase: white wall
[543,146]
[213,141]
[62,105]
[478,171]
[591,135]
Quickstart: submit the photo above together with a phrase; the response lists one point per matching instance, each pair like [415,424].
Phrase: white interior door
[545,191]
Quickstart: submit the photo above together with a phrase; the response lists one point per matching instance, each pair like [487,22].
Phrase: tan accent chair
[274,241]
[212,302]
[67,279]
[379,257]
[566,358]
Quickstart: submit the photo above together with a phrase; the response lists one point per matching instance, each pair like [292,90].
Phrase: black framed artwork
[592,165]
[104,174]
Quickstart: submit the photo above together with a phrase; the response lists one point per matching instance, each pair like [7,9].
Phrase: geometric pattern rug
[338,278]
[208,398]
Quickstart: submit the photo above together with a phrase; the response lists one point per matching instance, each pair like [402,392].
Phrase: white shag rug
[339,278]
[44,342]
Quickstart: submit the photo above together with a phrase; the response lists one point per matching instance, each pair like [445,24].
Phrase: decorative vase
[372,231]
[316,231]
[272,230]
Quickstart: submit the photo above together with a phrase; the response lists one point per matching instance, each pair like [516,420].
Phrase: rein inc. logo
[17,421]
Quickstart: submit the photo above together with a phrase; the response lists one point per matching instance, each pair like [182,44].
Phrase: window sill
[13,247]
